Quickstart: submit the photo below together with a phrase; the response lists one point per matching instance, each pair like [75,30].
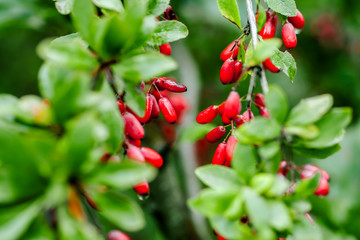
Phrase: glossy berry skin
[247,116]
[298,21]
[180,104]
[259,100]
[135,142]
[133,127]
[232,105]
[152,157]
[264,112]
[228,51]
[238,70]
[167,110]
[165,49]
[225,120]
[227,71]
[142,189]
[121,106]
[207,115]
[222,108]
[221,238]
[230,147]
[117,235]
[239,120]
[155,107]
[148,109]
[216,134]
[267,64]
[323,188]
[173,86]
[134,153]
[283,168]
[289,35]
[219,156]
[269,28]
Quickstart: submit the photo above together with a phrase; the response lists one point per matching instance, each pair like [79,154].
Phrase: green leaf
[115,124]
[279,216]
[145,66]
[31,109]
[219,177]
[157,7]
[14,221]
[83,15]
[264,50]
[320,153]
[135,99]
[257,208]
[305,132]
[306,187]
[195,132]
[258,130]
[261,18]
[120,211]
[244,160]
[64,6]
[8,105]
[285,7]
[285,62]
[212,202]
[39,230]
[331,128]
[310,110]
[279,187]
[282,18]
[71,52]
[229,9]
[235,208]
[114,5]
[168,31]
[270,154]
[231,229]
[121,175]
[262,182]
[277,103]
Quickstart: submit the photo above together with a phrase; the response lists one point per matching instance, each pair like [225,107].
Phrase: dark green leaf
[168,31]
[277,103]
[157,7]
[195,132]
[264,50]
[145,66]
[310,110]
[122,175]
[229,9]
[258,130]
[120,210]
[285,62]
[244,160]
[285,7]
[219,177]
[320,153]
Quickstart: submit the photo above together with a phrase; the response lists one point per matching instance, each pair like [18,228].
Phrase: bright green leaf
[231,229]
[305,132]
[264,50]
[157,7]
[195,132]
[285,62]
[114,5]
[258,130]
[83,15]
[64,6]
[262,182]
[277,103]
[279,216]
[244,161]
[257,208]
[229,9]
[285,7]
[168,31]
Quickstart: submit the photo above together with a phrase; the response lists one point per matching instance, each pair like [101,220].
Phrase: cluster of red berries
[232,68]
[169,14]
[288,33]
[309,171]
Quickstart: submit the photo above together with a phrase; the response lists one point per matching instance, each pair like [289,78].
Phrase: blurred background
[328,61]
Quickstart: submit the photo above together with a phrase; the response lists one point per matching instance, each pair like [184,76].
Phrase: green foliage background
[326,64]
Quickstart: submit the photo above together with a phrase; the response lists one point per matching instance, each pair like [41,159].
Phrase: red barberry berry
[117,235]
[230,147]
[264,112]
[165,49]
[238,70]
[167,110]
[289,35]
[207,115]
[221,108]
[180,104]
[173,86]
[239,120]
[133,127]
[216,134]
[219,156]
[323,188]
[155,107]
[152,157]
[267,64]
[225,120]
[247,115]
[227,71]
[283,168]
[142,188]
[148,109]
[232,105]
[121,106]
[269,28]
[259,100]
[230,50]
[135,142]
[298,21]
[134,153]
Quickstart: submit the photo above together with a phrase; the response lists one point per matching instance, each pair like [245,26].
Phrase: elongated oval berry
[152,157]
[269,28]
[142,188]
[221,108]
[173,86]
[298,21]
[207,115]
[283,168]
[230,147]
[225,120]
[230,50]
[227,71]
[148,109]
[134,153]
[289,35]
[309,170]
[117,235]
[159,82]
[259,100]
[135,142]
[232,105]
[238,70]
[239,120]
[155,107]
[323,188]
[248,115]
[219,156]
[167,110]
[264,112]
[133,127]
[267,64]
[221,238]
[121,106]
[216,134]
[165,49]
